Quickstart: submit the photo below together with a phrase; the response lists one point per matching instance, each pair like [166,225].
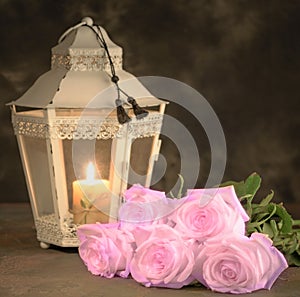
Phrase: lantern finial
[89,21]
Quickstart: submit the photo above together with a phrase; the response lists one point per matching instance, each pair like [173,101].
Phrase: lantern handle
[85,21]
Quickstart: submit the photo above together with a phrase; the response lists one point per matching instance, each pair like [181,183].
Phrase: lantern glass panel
[77,159]
[38,174]
[141,149]
[78,155]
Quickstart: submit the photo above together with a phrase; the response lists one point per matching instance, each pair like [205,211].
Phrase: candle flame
[90,172]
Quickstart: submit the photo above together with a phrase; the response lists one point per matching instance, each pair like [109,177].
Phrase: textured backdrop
[242,56]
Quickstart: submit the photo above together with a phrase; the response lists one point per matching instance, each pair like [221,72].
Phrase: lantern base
[49,231]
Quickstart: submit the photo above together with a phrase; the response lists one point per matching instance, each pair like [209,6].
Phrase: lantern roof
[80,74]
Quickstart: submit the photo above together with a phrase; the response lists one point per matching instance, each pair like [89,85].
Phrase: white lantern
[77,158]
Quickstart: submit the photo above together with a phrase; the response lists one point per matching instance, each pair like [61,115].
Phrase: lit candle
[91,199]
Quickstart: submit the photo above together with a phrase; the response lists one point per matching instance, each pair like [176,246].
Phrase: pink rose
[238,264]
[138,193]
[162,258]
[105,249]
[207,213]
[143,207]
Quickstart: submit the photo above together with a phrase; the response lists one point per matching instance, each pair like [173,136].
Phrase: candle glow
[91,198]
[90,172]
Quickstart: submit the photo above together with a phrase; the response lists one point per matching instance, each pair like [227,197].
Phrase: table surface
[27,270]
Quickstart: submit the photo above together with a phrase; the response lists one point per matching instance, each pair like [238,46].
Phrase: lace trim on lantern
[70,128]
[49,231]
[33,127]
[84,62]
[84,129]
[146,127]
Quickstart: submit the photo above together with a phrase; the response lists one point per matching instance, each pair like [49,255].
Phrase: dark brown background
[242,56]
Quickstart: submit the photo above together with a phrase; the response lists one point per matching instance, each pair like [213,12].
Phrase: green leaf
[239,187]
[287,221]
[272,211]
[248,207]
[267,229]
[230,183]
[258,209]
[260,216]
[293,259]
[267,199]
[293,247]
[252,184]
[172,195]
[245,197]
[274,227]
[83,204]
[179,195]
[250,228]
[252,225]
[245,189]
[296,222]
[86,204]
